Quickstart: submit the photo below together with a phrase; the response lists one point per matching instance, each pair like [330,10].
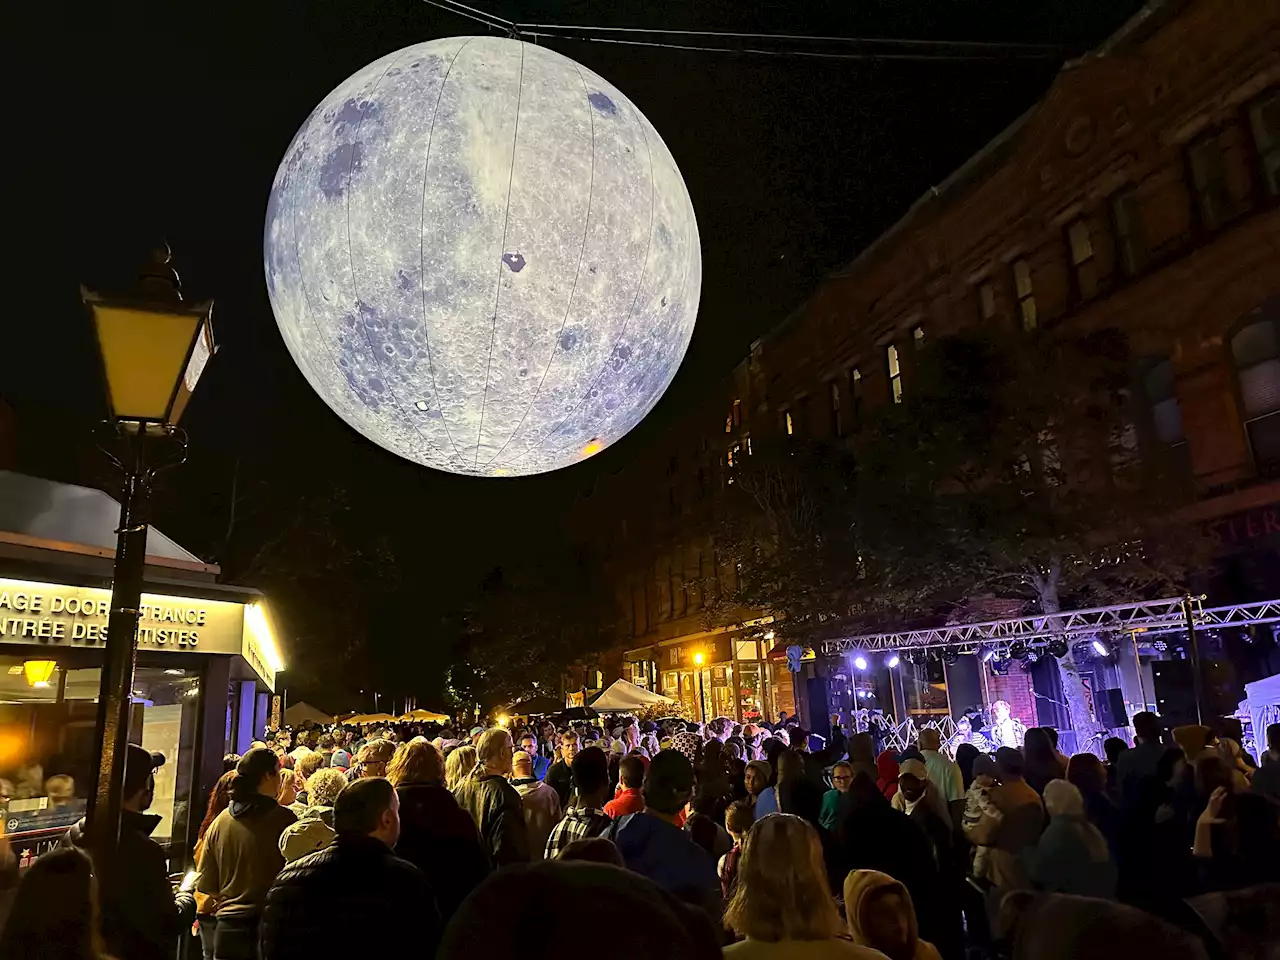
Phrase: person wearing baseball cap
[919,799]
[141,915]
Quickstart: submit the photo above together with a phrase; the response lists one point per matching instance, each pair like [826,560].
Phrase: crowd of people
[677,839]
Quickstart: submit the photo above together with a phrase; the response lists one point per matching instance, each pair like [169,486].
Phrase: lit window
[833,391]
[986,300]
[895,372]
[1126,214]
[748,439]
[737,413]
[1080,247]
[788,423]
[1026,294]
[1256,351]
[728,424]
[917,337]
[1264,120]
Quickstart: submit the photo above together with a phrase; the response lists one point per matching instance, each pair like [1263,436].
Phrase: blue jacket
[666,855]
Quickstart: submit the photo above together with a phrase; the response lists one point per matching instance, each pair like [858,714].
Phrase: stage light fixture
[988,654]
[892,661]
[950,656]
[1057,647]
[1018,650]
[1100,648]
[860,662]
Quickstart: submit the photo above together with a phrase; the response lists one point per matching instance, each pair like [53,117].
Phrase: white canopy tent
[301,712]
[622,696]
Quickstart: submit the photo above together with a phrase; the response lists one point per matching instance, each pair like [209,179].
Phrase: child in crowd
[737,820]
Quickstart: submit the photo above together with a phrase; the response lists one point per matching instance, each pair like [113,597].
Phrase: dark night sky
[171,122]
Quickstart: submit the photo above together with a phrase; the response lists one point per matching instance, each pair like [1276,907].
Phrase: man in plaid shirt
[586,818]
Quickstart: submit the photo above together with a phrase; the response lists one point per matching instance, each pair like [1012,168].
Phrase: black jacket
[350,899]
[498,812]
[560,777]
[142,916]
[440,838]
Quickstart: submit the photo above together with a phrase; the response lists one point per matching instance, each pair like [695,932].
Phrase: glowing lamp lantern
[38,672]
[482,257]
[154,348]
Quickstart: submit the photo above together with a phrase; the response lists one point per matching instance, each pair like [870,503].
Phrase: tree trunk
[1072,683]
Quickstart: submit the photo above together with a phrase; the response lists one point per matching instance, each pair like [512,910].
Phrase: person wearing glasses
[841,778]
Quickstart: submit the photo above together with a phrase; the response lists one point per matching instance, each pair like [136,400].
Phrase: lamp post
[702,701]
[154,348]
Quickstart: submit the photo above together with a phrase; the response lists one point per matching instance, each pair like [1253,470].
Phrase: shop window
[1084,270]
[1022,286]
[1255,349]
[894,367]
[49,742]
[833,394]
[1208,165]
[1131,247]
[986,300]
[855,395]
[1264,122]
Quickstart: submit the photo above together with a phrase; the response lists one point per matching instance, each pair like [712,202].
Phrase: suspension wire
[812,54]
[792,37]
[927,49]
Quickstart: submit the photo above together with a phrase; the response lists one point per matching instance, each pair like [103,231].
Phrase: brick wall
[1017,690]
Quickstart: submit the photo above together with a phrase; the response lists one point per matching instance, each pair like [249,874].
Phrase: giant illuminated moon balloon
[483,257]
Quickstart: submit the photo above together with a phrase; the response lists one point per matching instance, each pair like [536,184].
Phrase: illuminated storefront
[206,668]
[722,674]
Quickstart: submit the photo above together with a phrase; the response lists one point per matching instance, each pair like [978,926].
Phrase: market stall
[624,697]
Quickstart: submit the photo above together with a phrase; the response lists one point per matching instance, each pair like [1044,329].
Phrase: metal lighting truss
[1150,617]
[1067,623]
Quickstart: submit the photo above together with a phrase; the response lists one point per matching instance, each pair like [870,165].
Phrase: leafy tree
[525,626]
[1014,467]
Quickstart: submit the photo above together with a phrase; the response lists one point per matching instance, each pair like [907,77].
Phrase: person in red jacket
[629,798]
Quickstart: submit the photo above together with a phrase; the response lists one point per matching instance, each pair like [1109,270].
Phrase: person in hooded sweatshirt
[241,854]
[141,916]
[880,915]
[541,802]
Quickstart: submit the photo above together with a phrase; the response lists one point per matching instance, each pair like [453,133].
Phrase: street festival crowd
[672,839]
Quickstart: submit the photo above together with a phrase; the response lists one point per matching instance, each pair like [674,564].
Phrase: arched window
[1255,348]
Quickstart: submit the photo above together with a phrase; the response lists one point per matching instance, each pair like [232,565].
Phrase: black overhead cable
[881,48]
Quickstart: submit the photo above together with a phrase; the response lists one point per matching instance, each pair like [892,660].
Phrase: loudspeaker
[819,717]
[1111,709]
[1175,695]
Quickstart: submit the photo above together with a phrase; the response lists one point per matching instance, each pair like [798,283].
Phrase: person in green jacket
[841,777]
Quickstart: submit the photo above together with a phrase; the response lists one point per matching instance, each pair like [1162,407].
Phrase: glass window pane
[1158,383]
[1167,419]
[1258,341]
[1022,278]
[891,354]
[1260,388]
[1264,440]
[1078,239]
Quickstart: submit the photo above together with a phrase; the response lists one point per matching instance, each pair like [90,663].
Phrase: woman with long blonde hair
[459,766]
[782,904]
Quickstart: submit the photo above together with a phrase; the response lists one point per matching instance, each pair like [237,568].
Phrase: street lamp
[702,702]
[154,347]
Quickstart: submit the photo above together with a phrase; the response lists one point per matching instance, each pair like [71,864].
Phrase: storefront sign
[1251,528]
[60,615]
[680,656]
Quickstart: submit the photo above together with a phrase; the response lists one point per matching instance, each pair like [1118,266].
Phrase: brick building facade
[1142,192]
